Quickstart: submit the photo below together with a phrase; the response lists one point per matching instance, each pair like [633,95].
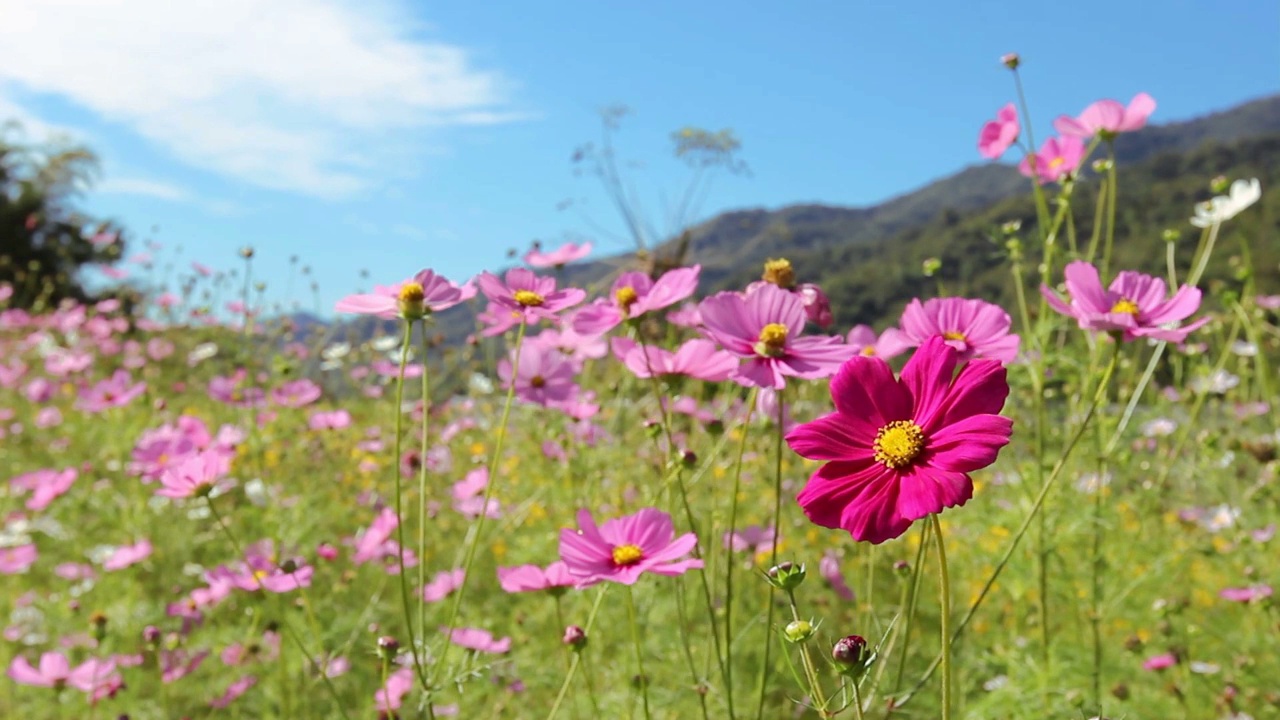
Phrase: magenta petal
[860,500]
[380,305]
[980,388]
[925,490]
[969,444]
[1181,306]
[833,437]
[927,377]
[864,387]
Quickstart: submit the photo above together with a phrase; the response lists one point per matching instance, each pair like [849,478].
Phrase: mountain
[1164,169]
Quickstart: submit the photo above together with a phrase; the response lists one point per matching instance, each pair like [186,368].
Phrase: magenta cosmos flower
[623,549]
[1108,118]
[898,450]
[196,475]
[764,328]
[1246,594]
[522,296]
[1134,303]
[1058,158]
[54,671]
[976,328]
[414,298]
[555,578]
[559,257]
[633,295]
[997,135]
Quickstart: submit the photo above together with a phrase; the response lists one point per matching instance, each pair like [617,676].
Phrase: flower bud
[786,576]
[688,458]
[151,635]
[1219,184]
[1170,235]
[575,637]
[902,568]
[851,654]
[1011,60]
[797,631]
[246,252]
[388,647]
[98,620]
[931,266]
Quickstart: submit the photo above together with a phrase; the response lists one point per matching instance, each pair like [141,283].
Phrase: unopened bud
[786,576]
[575,637]
[1103,165]
[1011,60]
[151,635]
[688,458]
[246,252]
[1170,235]
[851,654]
[388,647]
[98,620]
[931,266]
[797,631]
[1219,184]
[902,568]
[653,428]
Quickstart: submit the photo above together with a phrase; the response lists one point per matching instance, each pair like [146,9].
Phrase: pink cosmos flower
[45,485]
[116,391]
[522,296]
[997,135]
[1246,594]
[752,539]
[373,542]
[829,569]
[196,475]
[389,697]
[543,377]
[296,394]
[233,692]
[55,671]
[1108,118]
[697,358]
[975,328]
[574,346]
[764,328]
[468,495]
[531,578]
[1134,303]
[1160,662]
[625,548]
[901,449]
[179,663]
[478,640]
[127,555]
[265,650]
[1058,158]
[559,257]
[634,294]
[442,584]
[863,340]
[17,559]
[329,420]
[421,295]
[817,307]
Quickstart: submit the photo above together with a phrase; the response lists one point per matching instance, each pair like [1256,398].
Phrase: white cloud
[142,186]
[303,95]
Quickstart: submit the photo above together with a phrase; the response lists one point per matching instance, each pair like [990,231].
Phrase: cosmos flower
[417,297]
[997,135]
[1134,303]
[764,328]
[900,449]
[634,294]
[863,340]
[1222,208]
[561,256]
[697,358]
[479,640]
[522,296]
[623,549]
[531,578]
[1058,158]
[1246,594]
[116,391]
[1108,118]
[442,584]
[127,555]
[975,328]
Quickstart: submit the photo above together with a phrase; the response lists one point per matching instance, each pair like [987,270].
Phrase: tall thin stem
[422,481]
[773,554]
[944,599]
[635,639]
[395,469]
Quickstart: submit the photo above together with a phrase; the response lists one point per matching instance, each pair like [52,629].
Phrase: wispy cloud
[141,186]
[303,95]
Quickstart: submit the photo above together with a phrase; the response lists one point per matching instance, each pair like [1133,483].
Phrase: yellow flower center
[1125,306]
[954,335]
[528,298]
[773,340]
[898,444]
[1056,163]
[624,555]
[409,300]
[780,273]
[869,350]
[538,381]
[626,297]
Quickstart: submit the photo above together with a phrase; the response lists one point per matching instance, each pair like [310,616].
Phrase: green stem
[418,668]
[911,592]
[577,659]
[635,639]
[944,598]
[733,528]
[473,535]
[422,483]
[806,661]
[1111,208]
[773,556]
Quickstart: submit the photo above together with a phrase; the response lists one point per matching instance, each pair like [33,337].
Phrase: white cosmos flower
[336,351]
[201,352]
[1222,208]
[386,343]
[1218,382]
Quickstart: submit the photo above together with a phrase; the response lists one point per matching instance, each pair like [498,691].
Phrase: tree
[44,239]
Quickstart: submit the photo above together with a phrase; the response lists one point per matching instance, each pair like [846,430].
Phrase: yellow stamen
[409,300]
[780,273]
[1125,306]
[954,335]
[624,555]
[1056,163]
[626,297]
[528,298]
[772,341]
[898,444]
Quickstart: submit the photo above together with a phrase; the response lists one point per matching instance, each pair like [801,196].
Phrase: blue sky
[390,135]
